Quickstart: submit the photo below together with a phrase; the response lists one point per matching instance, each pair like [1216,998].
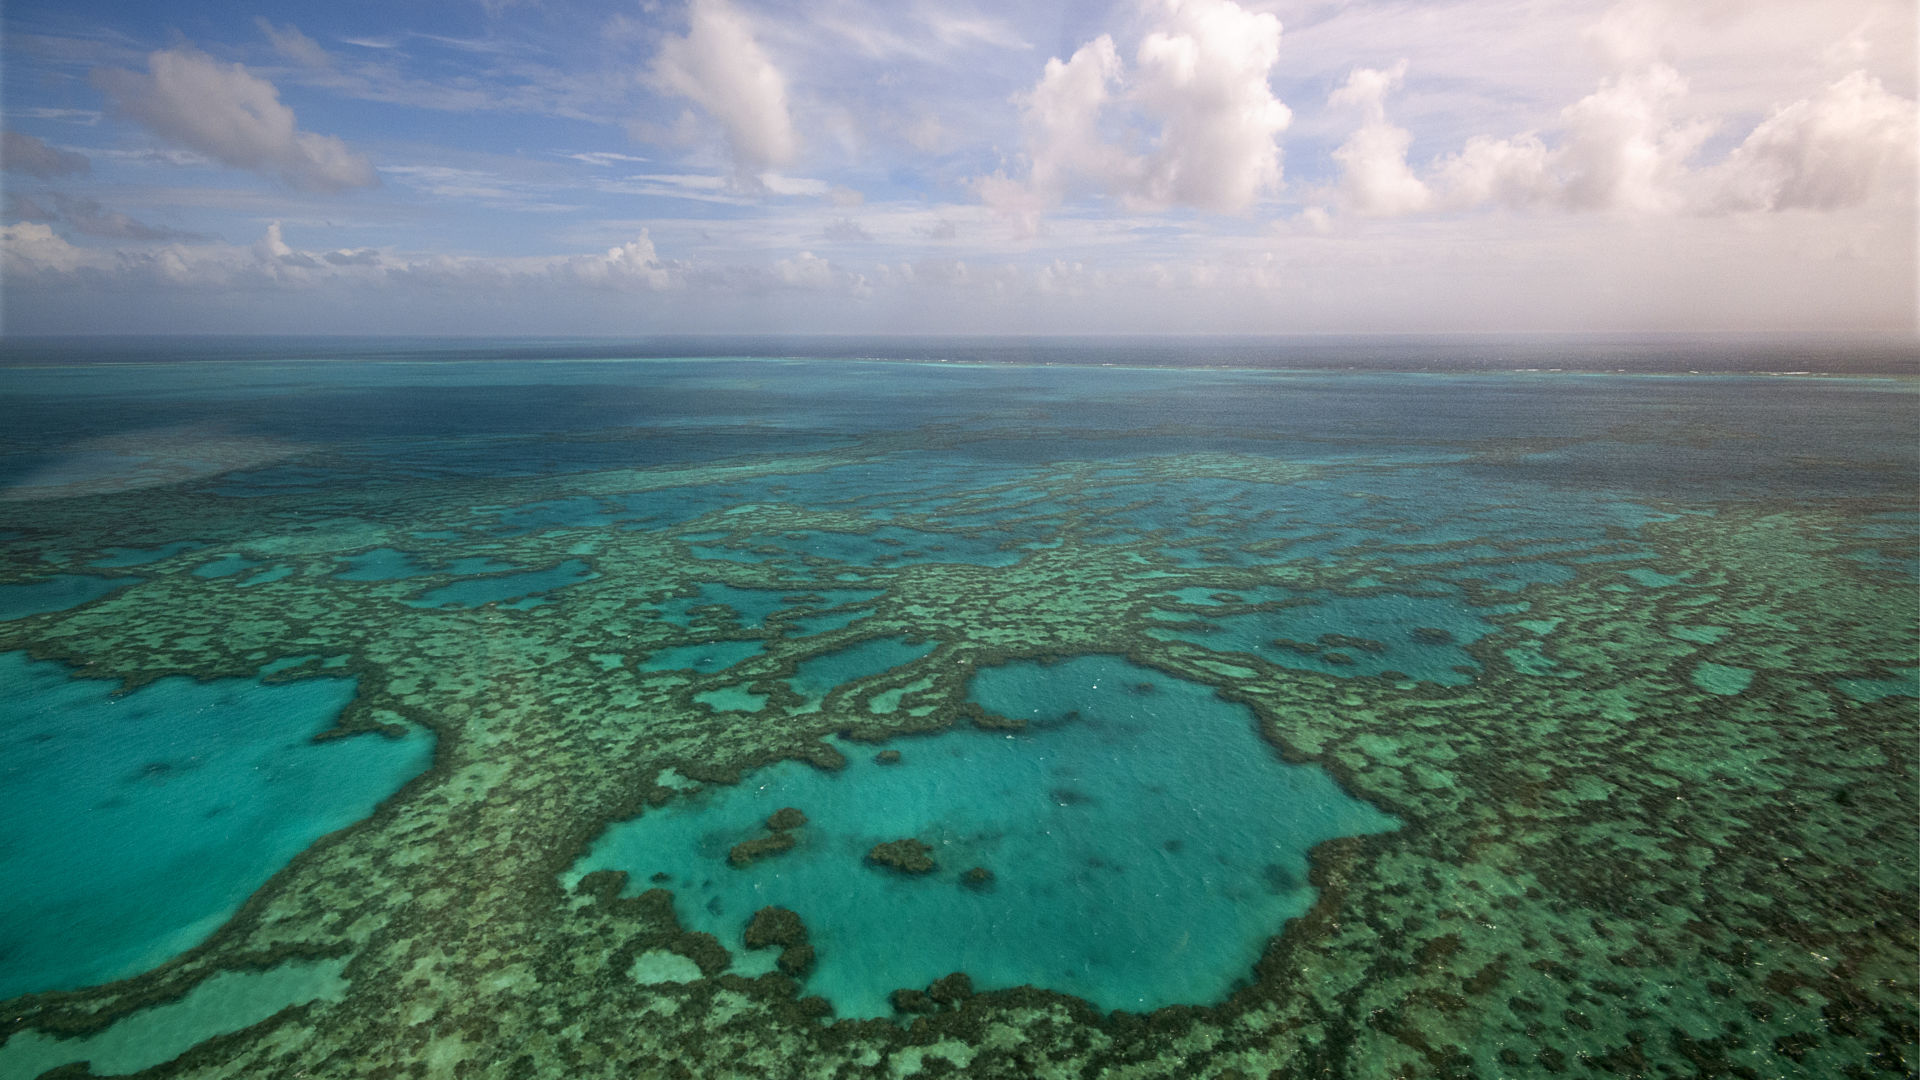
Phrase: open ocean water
[1216,708]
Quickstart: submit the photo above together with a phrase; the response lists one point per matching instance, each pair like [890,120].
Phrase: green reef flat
[816,718]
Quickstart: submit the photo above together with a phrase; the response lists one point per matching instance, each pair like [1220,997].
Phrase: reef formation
[1652,739]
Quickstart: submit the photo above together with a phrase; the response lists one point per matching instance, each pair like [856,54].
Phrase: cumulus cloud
[234,117]
[632,264]
[1062,117]
[805,270]
[36,255]
[1624,148]
[1374,176]
[1506,172]
[1197,99]
[812,273]
[33,249]
[721,68]
[1631,147]
[22,153]
[1203,78]
[1839,148]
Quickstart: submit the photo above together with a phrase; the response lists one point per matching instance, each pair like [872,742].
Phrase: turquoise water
[821,624]
[138,823]
[1722,679]
[1561,818]
[815,677]
[1144,841]
[705,659]
[1905,684]
[1418,636]
[750,607]
[381,564]
[125,556]
[389,564]
[270,575]
[224,566]
[56,593]
[475,592]
[227,1002]
[732,699]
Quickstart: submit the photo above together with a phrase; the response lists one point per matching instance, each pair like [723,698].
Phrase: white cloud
[794,185]
[1068,278]
[30,248]
[1203,78]
[1624,149]
[607,158]
[1197,100]
[35,255]
[22,153]
[87,117]
[1630,147]
[1374,176]
[632,264]
[289,42]
[1063,117]
[1845,146]
[234,117]
[721,68]
[522,194]
[805,270]
[956,28]
[1507,172]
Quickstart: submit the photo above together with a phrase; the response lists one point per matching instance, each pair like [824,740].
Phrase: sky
[559,167]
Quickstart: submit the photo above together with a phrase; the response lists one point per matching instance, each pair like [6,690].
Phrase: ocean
[839,707]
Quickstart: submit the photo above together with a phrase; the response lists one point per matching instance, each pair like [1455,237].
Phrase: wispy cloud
[607,158]
[88,117]
[30,156]
[477,186]
[88,218]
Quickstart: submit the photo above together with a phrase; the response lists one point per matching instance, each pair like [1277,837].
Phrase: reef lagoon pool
[527,710]
[1114,834]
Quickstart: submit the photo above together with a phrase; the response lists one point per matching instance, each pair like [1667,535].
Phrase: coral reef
[775,926]
[747,852]
[1607,866]
[787,817]
[772,926]
[908,856]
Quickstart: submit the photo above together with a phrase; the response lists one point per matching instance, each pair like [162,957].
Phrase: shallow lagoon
[136,825]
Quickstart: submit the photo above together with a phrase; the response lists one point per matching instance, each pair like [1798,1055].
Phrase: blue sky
[558,167]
